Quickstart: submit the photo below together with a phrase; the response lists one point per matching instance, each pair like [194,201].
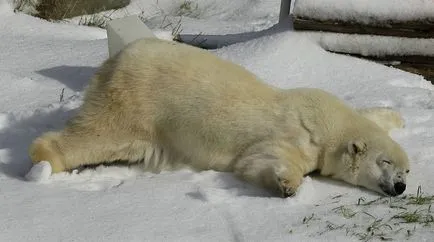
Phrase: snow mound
[305,193]
[369,45]
[6,8]
[163,34]
[39,172]
[4,120]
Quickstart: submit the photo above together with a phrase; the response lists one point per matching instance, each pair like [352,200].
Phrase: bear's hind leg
[67,150]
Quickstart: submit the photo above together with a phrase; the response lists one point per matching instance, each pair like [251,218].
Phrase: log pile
[418,64]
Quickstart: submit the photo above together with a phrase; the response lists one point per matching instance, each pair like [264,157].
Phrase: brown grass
[60,9]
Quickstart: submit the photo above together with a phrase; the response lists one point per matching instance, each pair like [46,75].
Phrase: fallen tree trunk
[410,29]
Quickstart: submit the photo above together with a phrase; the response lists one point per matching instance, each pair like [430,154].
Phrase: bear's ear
[357,147]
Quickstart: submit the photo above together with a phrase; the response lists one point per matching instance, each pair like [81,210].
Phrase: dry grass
[379,219]
[99,20]
[188,8]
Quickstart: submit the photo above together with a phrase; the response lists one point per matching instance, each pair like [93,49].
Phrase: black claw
[285,191]
[288,192]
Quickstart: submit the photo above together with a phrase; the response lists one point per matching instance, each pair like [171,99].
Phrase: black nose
[399,187]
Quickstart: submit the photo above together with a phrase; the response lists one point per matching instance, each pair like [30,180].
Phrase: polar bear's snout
[393,186]
[393,190]
[399,187]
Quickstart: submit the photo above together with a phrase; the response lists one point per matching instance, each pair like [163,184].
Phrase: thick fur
[386,118]
[170,106]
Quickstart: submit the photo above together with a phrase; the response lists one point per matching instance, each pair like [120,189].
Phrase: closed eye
[387,162]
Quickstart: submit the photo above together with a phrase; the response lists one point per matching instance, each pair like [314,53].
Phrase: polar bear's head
[377,163]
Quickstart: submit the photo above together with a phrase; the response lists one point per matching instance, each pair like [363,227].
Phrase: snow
[39,172]
[39,59]
[369,12]
[6,8]
[234,16]
[366,12]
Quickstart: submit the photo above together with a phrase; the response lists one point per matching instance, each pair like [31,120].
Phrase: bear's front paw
[286,187]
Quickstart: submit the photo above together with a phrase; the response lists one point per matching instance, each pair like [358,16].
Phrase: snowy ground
[39,59]
[367,12]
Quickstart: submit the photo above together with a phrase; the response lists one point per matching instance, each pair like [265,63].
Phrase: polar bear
[169,106]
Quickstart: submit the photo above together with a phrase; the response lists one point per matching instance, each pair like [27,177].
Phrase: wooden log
[410,29]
